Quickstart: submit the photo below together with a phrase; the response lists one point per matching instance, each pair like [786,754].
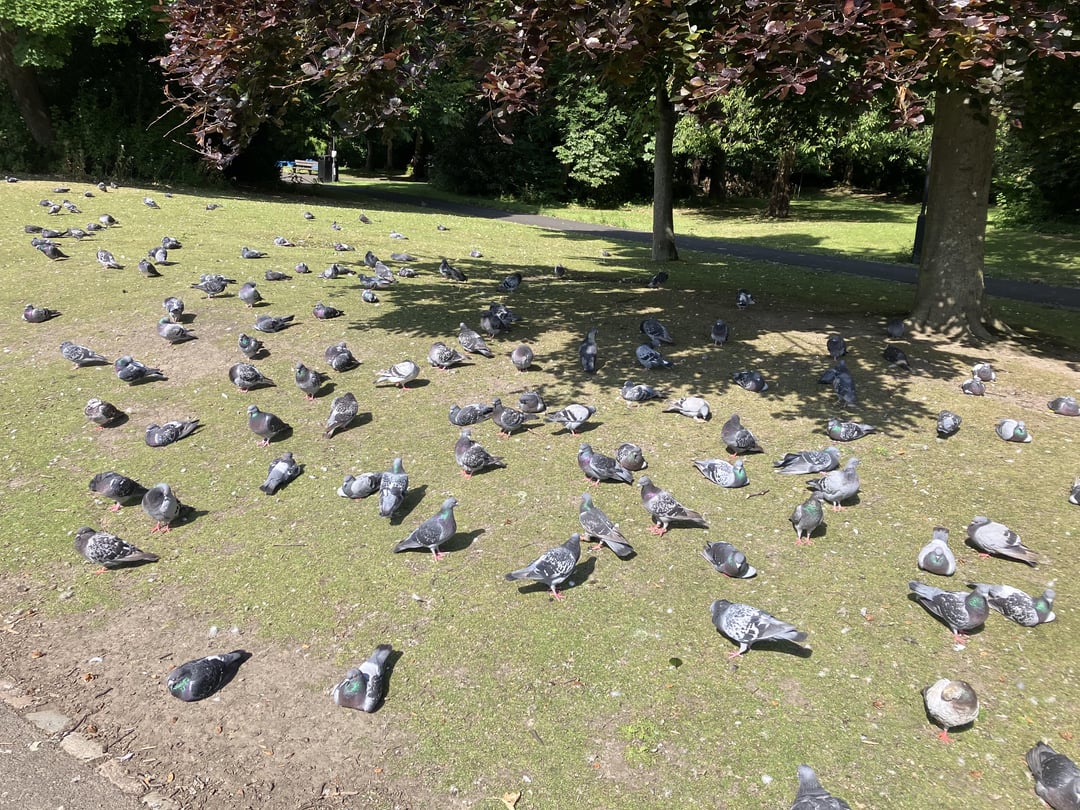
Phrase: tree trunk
[949,296]
[22,82]
[780,195]
[663,229]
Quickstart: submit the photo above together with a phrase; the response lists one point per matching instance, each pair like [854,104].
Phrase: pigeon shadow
[122,419]
[783,646]
[584,428]
[461,540]
[282,435]
[325,390]
[598,549]
[230,673]
[412,499]
[914,598]
[188,514]
[145,380]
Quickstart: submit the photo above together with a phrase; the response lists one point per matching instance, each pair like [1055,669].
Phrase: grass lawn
[620,695]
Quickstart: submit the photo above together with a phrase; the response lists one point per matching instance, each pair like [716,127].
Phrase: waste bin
[326,169]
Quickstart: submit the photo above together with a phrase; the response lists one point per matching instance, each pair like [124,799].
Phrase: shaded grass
[499,688]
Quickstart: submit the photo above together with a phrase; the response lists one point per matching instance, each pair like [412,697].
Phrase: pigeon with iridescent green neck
[848,431]
[664,509]
[958,610]
[808,462]
[108,550]
[936,557]
[730,476]
[1018,606]
[728,560]
[553,567]
[600,527]
[393,487]
[1012,430]
[806,518]
[199,679]
[433,532]
[308,380]
[747,625]
[364,687]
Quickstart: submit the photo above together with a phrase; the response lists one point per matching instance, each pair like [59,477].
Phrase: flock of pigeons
[951,703]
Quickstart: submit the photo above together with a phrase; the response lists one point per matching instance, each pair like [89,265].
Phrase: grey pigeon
[959,610]
[808,462]
[108,550]
[521,357]
[806,517]
[844,388]
[491,324]
[1057,779]
[729,476]
[472,414]
[246,377]
[838,485]
[728,560]
[343,410]
[505,315]
[531,402]
[983,372]
[895,356]
[162,505]
[211,285]
[836,347]
[657,279]
[281,471]
[80,355]
[360,486]
[52,251]
[433,532]
[442,356]
[276,275]
[719,333]
[471,342]
[107,260]
[1018,606]
[159,254]
[630,457]
[655,331]
[170,432]
[471,456]
[750,380]
[308,380]
[150,203]
[894,328]
[174,308]
[738,439]
[147,268]
[638,392]
[265,424]
[281,241]
[340,357]
[812,796]
[100,412]
[936,557]
[950,704]
[1074,493]
[553,567]
[249,253]
[743,299]
[600,527]
[368,297]
[392,489]
[273,323]
[399,374]
[118,488]
[999,540]
[559,271]
[587,351]
[664,509]
[510,283]
[828,377]
[848,431]
[174,332]
[325,312]
[199,679]
[598,467]
[364,687]
[448,271]
[1066,406]
[1012,430]
[250,347]
[308,215]
[948,423]
[34,314]
[973,387]
[697,408]
[747,625]
[132,371]
[651,358]
[508,419]
[572,417]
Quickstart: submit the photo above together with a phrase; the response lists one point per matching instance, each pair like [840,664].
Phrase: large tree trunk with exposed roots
[663,244]
[22,82]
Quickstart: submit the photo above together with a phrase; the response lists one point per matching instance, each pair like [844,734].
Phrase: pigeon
[598,467]
[448,271]
[806,517]
[277,275]
[505,315]
[664,509]
[308,215]
[894,328]
[572,417]
[587,351]
[471,342]
[100,412]
[508,419]
[895,356]
[1018,606]
[630,457]
[273,323]
[950,704]
[948,423]
[162,505]
[340,357]
[473,414]
[265,424]
[936,557]
[983,372]
[335,270]
[170,432]
[118,488]
[281,241]
[281,471]
[997,539]
[364,687]
[848,431]
[107,260]
[651,358]
[719,333]
[80,355]
[1057,779]
[400,374]
[433,532]
[343,410]
[510,283]
[108,550]
[250,347]
[308,380]
[323,312]
[750,380]
[730,476]
[341,247]
[521,357]
[959,610]
[743,299]
[131,370]
[368,297]
[146,267]
[552,567]
[406,272]
[836,347]
[531,402]
[399,256]
[638,392]
[747,625]
[1074,493]
[174,308]
[973,387]
[149,202]
[844,388]
[471,457]
[108,219]
[697,408]
[34,314]
[655,331]
[728,560]
[211,285]
[812,796]
[173,332]
[1066,406]
[360,486]
[808,462]
[246,377]
[199,679]
[52,251]
[597,525]
[392,489]
[738,439]
[1012,430]
[657,280]
[364,218]
[397,235]
[248,253]
[159,254]
[442,356]
[838,485]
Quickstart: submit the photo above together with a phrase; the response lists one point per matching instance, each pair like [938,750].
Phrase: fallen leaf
[36,654]
[1066,735]
[511,799]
